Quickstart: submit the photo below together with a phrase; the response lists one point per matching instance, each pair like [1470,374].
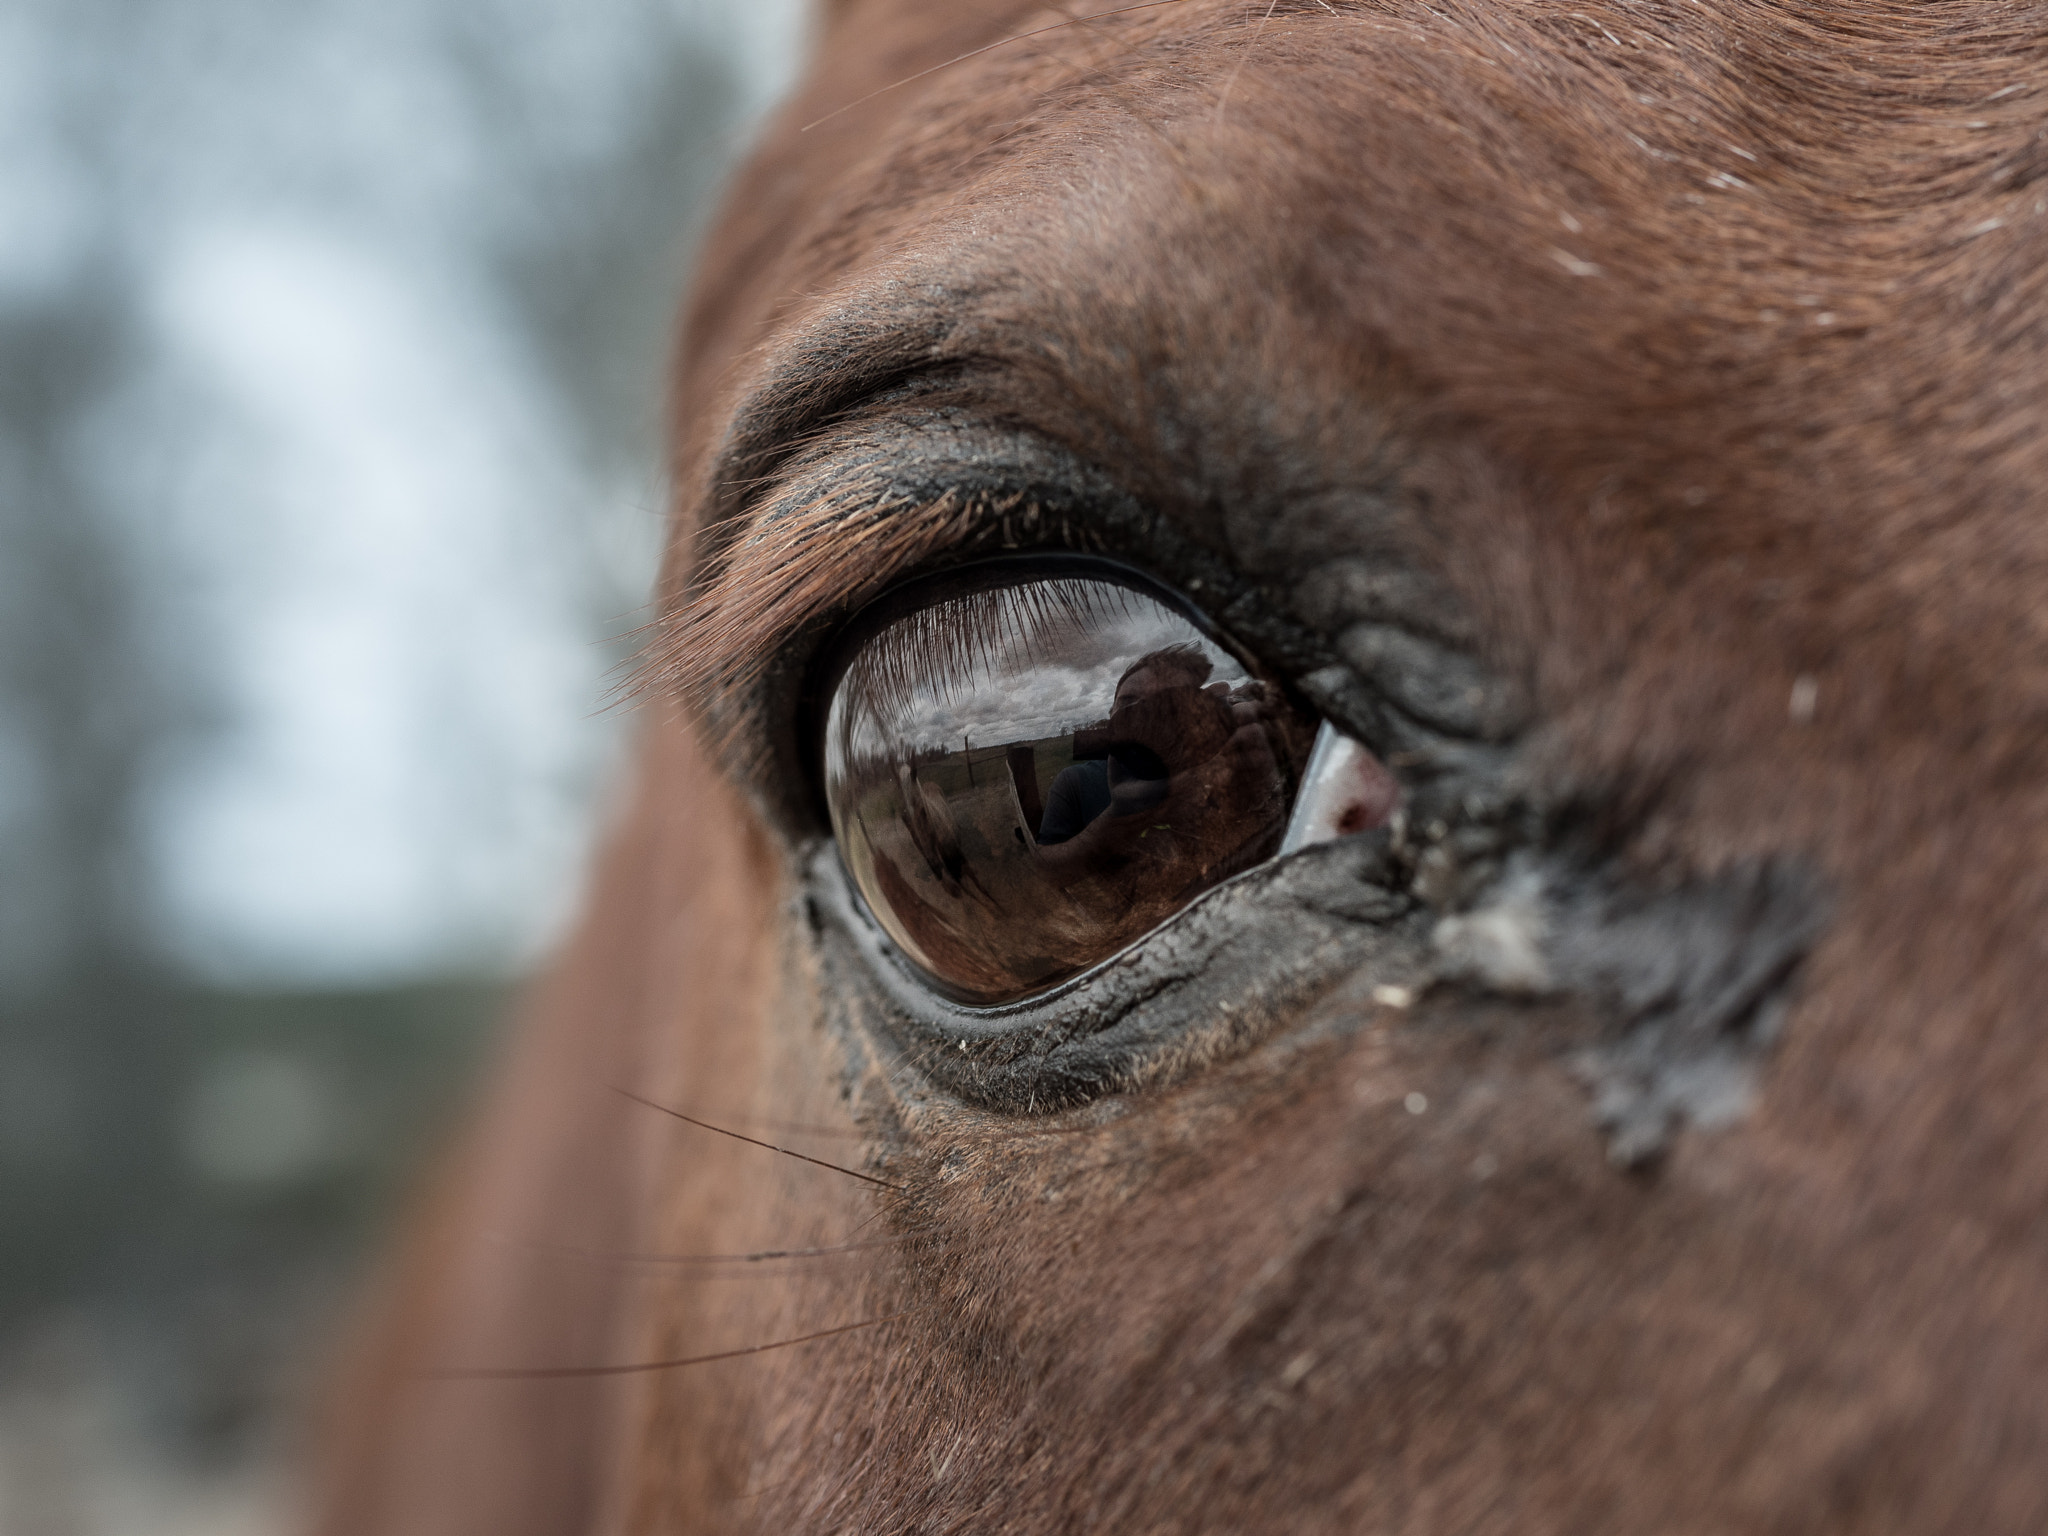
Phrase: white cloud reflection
[1041,679]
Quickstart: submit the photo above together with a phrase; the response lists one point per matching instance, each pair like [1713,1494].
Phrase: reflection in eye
[1027,773]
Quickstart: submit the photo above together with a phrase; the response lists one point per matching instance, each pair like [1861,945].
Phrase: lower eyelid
[1213,978]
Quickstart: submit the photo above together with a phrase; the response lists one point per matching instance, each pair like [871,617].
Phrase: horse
[1616,424]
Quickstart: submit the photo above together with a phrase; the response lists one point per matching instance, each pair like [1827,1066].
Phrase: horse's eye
[1028,767]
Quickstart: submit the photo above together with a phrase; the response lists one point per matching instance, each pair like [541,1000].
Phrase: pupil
[1028,773]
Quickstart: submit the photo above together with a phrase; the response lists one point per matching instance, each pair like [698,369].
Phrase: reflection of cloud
[1045,684]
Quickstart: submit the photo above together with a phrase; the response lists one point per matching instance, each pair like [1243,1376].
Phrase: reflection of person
[1079,794]
[1161,717]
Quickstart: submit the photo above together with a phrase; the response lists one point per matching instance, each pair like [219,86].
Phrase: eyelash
[823,659]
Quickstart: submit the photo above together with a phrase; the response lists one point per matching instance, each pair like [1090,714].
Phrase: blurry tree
[595,265]
[86,701]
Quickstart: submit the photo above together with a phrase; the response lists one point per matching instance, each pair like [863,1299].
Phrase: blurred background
[330,494]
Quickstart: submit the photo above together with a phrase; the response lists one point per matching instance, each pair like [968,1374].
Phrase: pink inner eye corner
[1344,790]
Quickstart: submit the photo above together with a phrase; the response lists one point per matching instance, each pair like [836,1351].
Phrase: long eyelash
[690,1260]
[945,645]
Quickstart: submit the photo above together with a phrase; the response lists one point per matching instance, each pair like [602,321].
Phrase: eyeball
[1028,767]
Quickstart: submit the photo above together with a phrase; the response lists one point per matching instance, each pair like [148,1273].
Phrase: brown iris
[1028,768]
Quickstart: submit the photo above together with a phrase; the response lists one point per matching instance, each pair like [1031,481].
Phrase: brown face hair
[1628,421]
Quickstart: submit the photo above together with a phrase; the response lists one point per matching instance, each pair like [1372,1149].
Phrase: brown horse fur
[1676,368]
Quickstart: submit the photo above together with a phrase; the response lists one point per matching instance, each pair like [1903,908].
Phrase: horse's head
[1617,426]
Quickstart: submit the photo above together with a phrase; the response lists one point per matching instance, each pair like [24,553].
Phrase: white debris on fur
[1499,945]
[1641,1112]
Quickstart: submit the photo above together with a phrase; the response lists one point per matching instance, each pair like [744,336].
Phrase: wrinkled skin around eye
[1026,778]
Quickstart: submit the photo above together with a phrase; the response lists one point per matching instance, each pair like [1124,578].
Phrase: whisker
[705,1125]
[800,1128]
[565,1372]
[766,1255]
[1148,5]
